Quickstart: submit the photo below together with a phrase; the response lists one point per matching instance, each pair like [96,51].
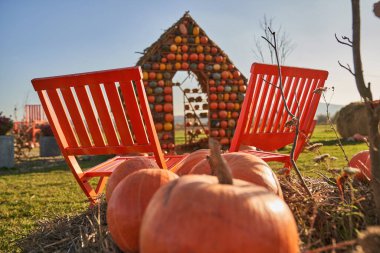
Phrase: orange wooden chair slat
[98,113]
[263,118]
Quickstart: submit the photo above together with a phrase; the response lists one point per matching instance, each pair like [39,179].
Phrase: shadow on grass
[38,164]
[343,141]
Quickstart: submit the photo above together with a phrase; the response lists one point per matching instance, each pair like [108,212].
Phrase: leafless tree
[266,53]
[364,90]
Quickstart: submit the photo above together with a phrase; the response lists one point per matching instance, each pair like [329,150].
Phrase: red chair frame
[263,118]
[102,112]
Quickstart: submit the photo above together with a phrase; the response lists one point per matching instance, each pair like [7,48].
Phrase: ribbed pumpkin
[184,166]
[127,205]
[245,167]
[126,168]
[203,214]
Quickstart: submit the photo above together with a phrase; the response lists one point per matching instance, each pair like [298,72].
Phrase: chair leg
[101,184]
[88,190]
[83,180]
[287,168]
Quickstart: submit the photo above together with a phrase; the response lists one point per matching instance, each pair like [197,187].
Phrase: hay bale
[352,119]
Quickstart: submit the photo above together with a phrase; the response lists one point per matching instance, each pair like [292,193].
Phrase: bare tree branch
[259,51]
[365,92]
[294,119]
[346,38]
[269,42]
[268,82]
[348,68]
[349,43]
[284,47]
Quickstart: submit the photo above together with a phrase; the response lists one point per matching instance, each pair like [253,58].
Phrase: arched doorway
[190,111]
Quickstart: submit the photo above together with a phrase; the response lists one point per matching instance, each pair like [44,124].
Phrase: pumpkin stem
[219,166]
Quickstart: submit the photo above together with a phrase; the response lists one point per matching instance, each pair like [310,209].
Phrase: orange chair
[97,113]
[263,118]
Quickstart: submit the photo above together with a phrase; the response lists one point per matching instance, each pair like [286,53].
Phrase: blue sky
[50,37]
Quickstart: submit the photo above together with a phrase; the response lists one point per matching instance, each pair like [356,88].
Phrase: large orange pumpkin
[203,214]
[128,203]
[126,168]
[245,167]
[184,166]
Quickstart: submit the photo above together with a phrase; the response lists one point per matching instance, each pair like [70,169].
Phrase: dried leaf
[320,90]
[283,171]
[335,170]
[314,147]
[321,158]
[340,183]
[291,122]
[351,171]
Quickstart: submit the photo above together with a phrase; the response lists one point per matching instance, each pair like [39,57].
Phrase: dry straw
[323,221]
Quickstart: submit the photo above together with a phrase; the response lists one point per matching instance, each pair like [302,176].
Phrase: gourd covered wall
[186,47]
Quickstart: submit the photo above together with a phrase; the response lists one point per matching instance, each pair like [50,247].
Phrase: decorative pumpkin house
[221,87]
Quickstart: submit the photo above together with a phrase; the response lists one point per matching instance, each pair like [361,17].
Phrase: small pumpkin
[126,168]
[204,39]
[213,105]
[184,166]
[169,117]
[199,49]
[159,76]
[177,65]
[185,65]
[169,66]
[178,39]
[145,75]
[184,48]
[168,126]
[127,205]
[152,75]
[201,66]
[173,48]
[224,141]
[171,57]
[193,57]
[158,108]
[159,126]
[222,105]
[178,57]
[196,30]
[168,107]
[203,214]
[168,98]
[222,114]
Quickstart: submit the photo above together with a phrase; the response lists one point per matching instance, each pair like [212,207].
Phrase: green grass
[325,135]
[28,196]
[180,136]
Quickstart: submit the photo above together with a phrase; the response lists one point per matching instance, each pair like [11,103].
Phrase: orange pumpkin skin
[362,161]
[126,168]
[245,167]
[127,205]
[184,166]
[196,214]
